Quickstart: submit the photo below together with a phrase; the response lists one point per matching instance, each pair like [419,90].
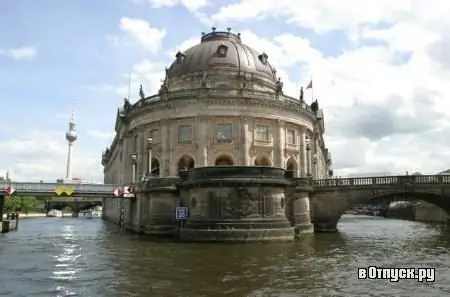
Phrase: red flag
[309,86]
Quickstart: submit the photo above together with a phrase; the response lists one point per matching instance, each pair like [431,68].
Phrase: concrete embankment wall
[29,216]
[405,212]
[423,212]
[426,212]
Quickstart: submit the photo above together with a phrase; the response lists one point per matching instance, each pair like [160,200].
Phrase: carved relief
[240,203]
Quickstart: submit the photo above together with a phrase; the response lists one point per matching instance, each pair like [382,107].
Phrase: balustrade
[256,172]
[382,180]
[50,187]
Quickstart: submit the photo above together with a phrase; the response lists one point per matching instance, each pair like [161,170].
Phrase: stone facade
[225,203]
[216,111]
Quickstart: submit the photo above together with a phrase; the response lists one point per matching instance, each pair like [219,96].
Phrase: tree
[20,204]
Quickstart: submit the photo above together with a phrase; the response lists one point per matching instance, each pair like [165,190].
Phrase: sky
[380,71]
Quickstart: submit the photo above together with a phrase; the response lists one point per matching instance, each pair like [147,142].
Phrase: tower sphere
[71,136]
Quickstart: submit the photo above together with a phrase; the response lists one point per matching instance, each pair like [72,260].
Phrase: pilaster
[280,144]
[302,155]
[245,142]
[165,148]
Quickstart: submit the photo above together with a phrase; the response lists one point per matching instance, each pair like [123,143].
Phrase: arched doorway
[224,160]
[155,167]
[291,168]
[262,161]
[185,163]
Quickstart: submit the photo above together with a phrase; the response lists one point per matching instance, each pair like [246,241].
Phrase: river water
[89,257]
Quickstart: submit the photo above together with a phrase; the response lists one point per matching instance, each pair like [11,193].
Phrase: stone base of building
[237,235]
[303,229]
[159,231]
[325,227]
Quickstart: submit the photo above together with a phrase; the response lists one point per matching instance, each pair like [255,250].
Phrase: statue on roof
[126,104]
[279,87]
[301,94]
[141,92]
[315,106]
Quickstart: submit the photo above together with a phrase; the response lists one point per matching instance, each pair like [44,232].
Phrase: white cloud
[140,32]
[20,53]
[42,155]
[102,135]
[192,5]
[398,75]
[145,72]
[384,97]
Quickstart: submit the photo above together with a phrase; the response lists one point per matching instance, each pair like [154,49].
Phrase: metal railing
[27,187]
[382,181]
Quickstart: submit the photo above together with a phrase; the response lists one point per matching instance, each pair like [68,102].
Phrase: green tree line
[23,204]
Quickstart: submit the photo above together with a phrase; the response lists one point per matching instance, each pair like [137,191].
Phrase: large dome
[221,51]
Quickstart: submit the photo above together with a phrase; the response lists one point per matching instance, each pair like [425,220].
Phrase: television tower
[71,136]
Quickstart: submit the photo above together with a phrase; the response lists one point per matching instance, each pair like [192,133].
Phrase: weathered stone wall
[158,212]
[427,212]
[248,212]
[111,210]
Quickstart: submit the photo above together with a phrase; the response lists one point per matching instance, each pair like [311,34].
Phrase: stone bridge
[332,197]
[75,205]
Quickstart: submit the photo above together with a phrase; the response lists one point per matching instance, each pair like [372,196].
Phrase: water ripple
[76,257]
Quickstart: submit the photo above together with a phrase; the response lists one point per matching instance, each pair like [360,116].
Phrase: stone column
[165,149]
[133,166]
[314,156]
[149,146]
[308,154]
[302,155]
[123,174]
[202,137]
[301,213]
[279,151]
[245,141]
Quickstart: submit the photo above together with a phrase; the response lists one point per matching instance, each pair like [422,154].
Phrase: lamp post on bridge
[133,164]
[149,156]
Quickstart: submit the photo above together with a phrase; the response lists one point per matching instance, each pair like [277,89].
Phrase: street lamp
[149,156]
[133,163]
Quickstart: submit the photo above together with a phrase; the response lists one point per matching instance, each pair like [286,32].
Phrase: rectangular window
[290,136]
[154,134]
[224,132]
[185,133]
[262,133]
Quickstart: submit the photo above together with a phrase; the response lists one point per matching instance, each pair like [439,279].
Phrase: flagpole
[312,89]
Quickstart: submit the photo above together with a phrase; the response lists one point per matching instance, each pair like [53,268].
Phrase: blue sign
[181,213]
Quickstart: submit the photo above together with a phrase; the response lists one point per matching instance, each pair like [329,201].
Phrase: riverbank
[29,216]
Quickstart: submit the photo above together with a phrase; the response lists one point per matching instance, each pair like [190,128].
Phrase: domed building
[221,103]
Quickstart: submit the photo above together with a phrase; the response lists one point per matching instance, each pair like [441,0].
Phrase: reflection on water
[76,257]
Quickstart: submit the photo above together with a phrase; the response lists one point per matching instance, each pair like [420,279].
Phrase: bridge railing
[382,180]
[50,187]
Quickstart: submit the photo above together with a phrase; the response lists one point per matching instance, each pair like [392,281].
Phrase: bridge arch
[328,207]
